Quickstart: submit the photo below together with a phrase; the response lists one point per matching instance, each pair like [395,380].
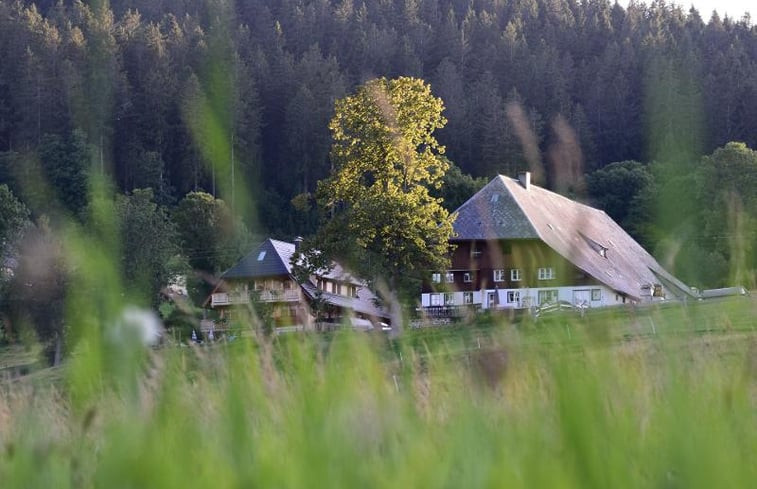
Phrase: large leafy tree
[14,218]
[380,217]
[212,238]
[728,209]
[617,189]
[14,221]
[149,238]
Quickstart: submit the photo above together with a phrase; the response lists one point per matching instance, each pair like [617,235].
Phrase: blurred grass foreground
[651,398]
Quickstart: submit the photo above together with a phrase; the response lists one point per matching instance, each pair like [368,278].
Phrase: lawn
[661,397]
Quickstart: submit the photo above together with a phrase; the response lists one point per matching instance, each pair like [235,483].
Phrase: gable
[269,259]
[492,213]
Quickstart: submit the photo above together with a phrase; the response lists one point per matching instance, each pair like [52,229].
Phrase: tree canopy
[14,217]
[150,245]
[380,216]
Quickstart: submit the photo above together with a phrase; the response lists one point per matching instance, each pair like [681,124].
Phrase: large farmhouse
[517,245]
[265,276]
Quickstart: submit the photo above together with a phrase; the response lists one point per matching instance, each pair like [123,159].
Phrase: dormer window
[596,246]
[657,291]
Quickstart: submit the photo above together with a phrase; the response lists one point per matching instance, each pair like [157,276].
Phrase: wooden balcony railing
[292,295]
[235,298]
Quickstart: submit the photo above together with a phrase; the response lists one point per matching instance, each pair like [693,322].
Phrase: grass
[564,402]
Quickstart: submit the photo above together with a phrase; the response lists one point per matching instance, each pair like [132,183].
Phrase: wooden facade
[505,264]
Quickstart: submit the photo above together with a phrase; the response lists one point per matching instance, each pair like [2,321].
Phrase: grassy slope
[603,401]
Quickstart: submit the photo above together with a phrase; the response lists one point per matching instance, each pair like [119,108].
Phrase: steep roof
[492,213]
[269,259]
[585,236]
[364,303]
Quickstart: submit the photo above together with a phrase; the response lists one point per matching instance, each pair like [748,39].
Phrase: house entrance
[492,299]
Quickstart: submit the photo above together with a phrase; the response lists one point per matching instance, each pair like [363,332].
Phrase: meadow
[657,397]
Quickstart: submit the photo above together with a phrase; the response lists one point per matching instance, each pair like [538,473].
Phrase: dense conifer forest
[126,88]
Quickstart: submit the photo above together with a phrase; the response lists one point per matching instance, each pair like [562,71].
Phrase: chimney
[524,178]
[297,243]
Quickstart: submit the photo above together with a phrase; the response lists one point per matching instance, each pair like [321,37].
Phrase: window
[515,275]
[436,299]
[658,292]
[546,273]
[547,296]
[261,256]
[513,296]
[449,299]
[353,290]
[449,277]
[596,294]
[499,275]
[467,277]
[467,297]
[436,277]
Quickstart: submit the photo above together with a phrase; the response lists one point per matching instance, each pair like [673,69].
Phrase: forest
[648,111]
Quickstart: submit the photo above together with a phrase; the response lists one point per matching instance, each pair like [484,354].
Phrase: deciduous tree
[380,216]
[149,256]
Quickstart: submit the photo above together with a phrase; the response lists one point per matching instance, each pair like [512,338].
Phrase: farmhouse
[517,245]
[265,277]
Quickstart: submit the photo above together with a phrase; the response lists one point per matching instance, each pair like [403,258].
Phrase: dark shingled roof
[504,209]
[492,213]
[364,303]
[274,262]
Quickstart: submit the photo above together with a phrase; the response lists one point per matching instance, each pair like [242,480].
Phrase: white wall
[530,297]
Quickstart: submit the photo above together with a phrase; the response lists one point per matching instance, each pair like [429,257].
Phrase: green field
[660,397]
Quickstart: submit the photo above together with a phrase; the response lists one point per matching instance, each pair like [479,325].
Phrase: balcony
[237,298]
[228,298]
[291,295]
